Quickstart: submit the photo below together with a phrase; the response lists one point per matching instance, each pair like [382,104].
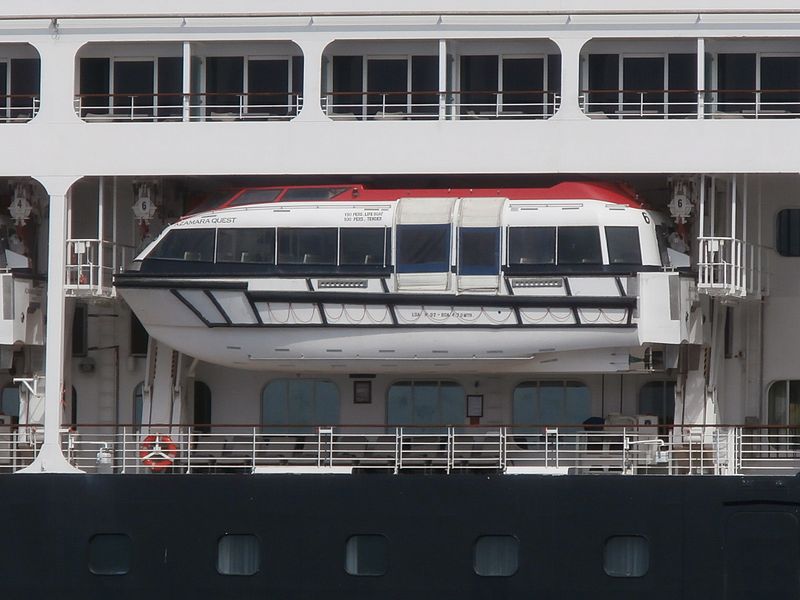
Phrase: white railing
[415,106]
[730,267]
[91,265]
[712,450]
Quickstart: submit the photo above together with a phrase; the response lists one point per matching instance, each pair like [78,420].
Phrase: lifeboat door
[424,244]
[479,244]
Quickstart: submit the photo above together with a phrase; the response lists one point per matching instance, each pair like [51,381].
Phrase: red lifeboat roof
[603,191]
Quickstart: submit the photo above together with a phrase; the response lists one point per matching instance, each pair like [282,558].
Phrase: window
[139,337]
[479,84]
[300,402]
[138,404]
[551,403]
[737,73]
[9,402]
[623,246]
[478,250]
[110,554]
[246,246]
[238,554]
[311,194]
[224,83]
[496,555]
[783,408]
[366,555]
[626,556]
[531,245]
[658,398]
[186,244]
[426,403]
[579,246]
[255,197]
[423,248]
[362,246]
[788,232]
[780,82]
[202,407]
[307,246]
[80,330]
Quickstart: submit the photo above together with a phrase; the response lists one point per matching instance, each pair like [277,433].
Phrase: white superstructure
[117,120]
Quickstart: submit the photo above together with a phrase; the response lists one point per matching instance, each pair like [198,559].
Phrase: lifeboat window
[195,245]
[426,403]
[362,246]
[479,250]
[423,248]
[496,555]
[299,402]
[307,246]
[579,246]
[531,245]
[254,197]
[626,556]
[366,555]
[246,246]
[788,232]
[623,246]
[312,193]
[238,554]
[110,554]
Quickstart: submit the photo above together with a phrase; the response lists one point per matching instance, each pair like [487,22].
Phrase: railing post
[398,449]
[451,450]
[254,449]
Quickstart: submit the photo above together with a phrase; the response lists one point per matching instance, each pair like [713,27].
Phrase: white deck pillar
[312,82]
[570,78]
[50,458]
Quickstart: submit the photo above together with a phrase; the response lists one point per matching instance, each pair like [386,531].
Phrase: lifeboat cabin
[467,280]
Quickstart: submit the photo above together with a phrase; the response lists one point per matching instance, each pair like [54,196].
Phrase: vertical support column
[101,222]
[187,80]
[51,458]
[570,78]
[701,78]
[443,80]
[312,80]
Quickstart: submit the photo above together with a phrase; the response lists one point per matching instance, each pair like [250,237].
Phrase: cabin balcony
[20,66]
[622,447]
[189,82]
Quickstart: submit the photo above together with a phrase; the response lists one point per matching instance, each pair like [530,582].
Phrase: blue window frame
[423,248]
[478,251]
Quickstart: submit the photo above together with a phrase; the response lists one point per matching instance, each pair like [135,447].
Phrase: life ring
[158,452]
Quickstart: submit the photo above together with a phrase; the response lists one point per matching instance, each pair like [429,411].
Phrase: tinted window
[186,244]
[311,246]
[246,245]
[551,403]
[623,246]
[312,193]
[362,246]
[300,402]
[479,250]
[531,245]
[426,403]
[238,555]
[496,555]
[579,246]
[423,248]
[255,197]
[366,555]
[626,556]
[110,554]
[788,234]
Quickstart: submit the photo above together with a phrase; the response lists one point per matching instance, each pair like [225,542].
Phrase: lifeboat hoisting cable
[158,452]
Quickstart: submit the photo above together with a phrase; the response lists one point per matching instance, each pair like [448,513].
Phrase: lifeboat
[325,277]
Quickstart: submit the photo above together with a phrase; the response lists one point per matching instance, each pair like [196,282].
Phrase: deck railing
[91,265]
[256,106]
[683,104]
[18,108]
[589,449]
[730,267]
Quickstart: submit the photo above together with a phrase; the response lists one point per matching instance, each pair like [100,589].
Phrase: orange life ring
[158,452]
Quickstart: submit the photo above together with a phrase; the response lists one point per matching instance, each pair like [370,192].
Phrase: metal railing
[627,450]
[257,106]
[18,108]
[433,105]
[730,267]
[91,265]
[683,104]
